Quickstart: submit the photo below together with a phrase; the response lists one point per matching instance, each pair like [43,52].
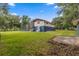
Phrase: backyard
[28,43]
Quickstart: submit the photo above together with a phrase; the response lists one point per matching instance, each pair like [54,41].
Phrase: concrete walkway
[67,40]
[64,46]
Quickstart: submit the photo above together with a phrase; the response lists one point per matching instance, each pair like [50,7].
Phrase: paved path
[67,40]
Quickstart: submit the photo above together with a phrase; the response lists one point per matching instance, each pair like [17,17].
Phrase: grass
[18,43]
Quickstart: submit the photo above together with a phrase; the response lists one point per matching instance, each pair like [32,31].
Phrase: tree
[3,14]
[4,8]
[58,22]
[14,22]
[8,21]
[25,23]
[70,12]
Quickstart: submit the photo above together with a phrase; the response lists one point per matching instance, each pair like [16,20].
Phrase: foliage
[70,12]
[25,23]
[10,22]
[4,8]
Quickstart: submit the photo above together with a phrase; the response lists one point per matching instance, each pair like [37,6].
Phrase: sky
[46,11]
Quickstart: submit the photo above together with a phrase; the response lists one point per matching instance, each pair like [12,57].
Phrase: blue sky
[44,11]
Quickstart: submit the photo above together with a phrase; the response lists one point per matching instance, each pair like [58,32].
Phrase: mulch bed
[64,46]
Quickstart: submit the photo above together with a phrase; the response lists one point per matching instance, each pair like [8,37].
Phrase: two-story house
[40,25]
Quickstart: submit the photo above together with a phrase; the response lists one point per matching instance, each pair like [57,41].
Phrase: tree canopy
[70,12]
[10,22]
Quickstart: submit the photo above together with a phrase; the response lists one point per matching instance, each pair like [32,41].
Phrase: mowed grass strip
[28,43]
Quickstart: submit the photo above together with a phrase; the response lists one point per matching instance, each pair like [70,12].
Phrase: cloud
[11,4]
[55,6]
[49,3]
[52,4]
[13,13]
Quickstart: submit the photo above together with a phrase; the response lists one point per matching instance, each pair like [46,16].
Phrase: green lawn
[28,43]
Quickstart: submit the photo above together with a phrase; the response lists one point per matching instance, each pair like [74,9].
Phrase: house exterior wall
[41,23]
[41,26]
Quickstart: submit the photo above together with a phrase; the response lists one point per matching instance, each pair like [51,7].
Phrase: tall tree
[3,14]
[70,12]
[25,23]
[8,21]
[4,8]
